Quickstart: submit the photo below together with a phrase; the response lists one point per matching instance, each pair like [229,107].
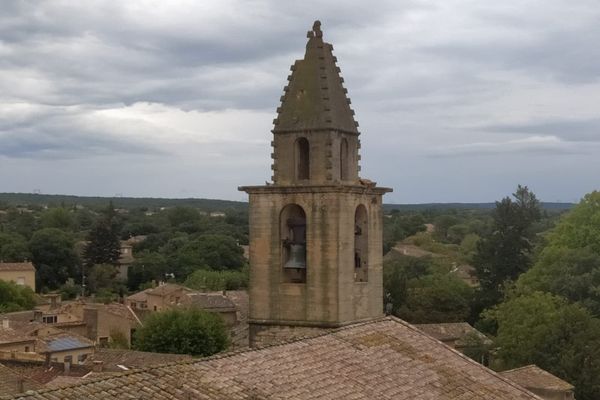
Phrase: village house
[48,342]
[97,322]
[458,335]
[21,273]
[541,382]
[159,298]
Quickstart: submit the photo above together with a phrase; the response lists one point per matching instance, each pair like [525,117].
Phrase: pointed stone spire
[315,98]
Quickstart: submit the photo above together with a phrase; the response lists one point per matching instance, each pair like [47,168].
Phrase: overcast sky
[457,100]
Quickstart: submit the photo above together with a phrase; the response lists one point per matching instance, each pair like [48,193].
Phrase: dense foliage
[421,290]
[505,253]
[556,335]
[182,331]
[15,298]
[53,254]
[103,244]
[204,279]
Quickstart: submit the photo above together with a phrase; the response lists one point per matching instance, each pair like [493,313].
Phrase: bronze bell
[297,257]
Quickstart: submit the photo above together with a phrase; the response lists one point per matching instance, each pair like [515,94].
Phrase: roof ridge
[202,359]
[468,359]
[522,367]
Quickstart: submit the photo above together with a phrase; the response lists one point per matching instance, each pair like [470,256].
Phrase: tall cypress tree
[505,253]
[104,246]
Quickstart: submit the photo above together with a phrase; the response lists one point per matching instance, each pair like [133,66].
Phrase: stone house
[22,273]
[96,321]
[160,298]
[457,335]
[12,340]
[541,382]
[51,343]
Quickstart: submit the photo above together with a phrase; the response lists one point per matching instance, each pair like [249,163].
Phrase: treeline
[76,250]
[94,202]
[537,275]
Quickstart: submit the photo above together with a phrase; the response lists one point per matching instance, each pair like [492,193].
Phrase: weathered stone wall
[26,278]
[262,335]
[330,295]
[325,165]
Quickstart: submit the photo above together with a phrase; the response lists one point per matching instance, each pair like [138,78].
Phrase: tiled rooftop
[22,266]
[112,358]
[451,331]
[533,377]
[211,301]
[380,359]
[11,382]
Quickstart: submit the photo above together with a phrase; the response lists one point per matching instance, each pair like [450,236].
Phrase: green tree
[569,265]
[559,337]
[102,276]
[506,253]
[580,227]
[436,298]
[571,273]
[59,218]
[400,226]
[103,244]
[182,331]
[13,248]
[148,266]
[421,292]
[203,279]
[53,255]
[14,297]
[22,222]
[218,252]
[179,216]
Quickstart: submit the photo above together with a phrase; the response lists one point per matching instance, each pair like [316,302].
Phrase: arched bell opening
[344,167]
[302,159]
[293,244]
[361,244]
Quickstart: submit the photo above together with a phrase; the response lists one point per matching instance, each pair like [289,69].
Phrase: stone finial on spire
[317,29]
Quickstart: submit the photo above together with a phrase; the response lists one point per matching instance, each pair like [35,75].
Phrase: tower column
[316,231]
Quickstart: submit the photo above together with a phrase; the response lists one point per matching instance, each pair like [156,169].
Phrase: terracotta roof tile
[22,266]
[533,377]
[381,359]
[131,359]
[11,382]
[451,331]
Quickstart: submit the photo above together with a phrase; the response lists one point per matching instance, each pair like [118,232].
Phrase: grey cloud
[572,130]
[415,86]
[62,135]
[569,56]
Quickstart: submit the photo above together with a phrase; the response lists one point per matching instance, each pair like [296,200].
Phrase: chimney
[97,367]
[37,315]
[5,323]
[20,385]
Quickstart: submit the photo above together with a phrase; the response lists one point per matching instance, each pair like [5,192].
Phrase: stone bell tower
[316,231]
